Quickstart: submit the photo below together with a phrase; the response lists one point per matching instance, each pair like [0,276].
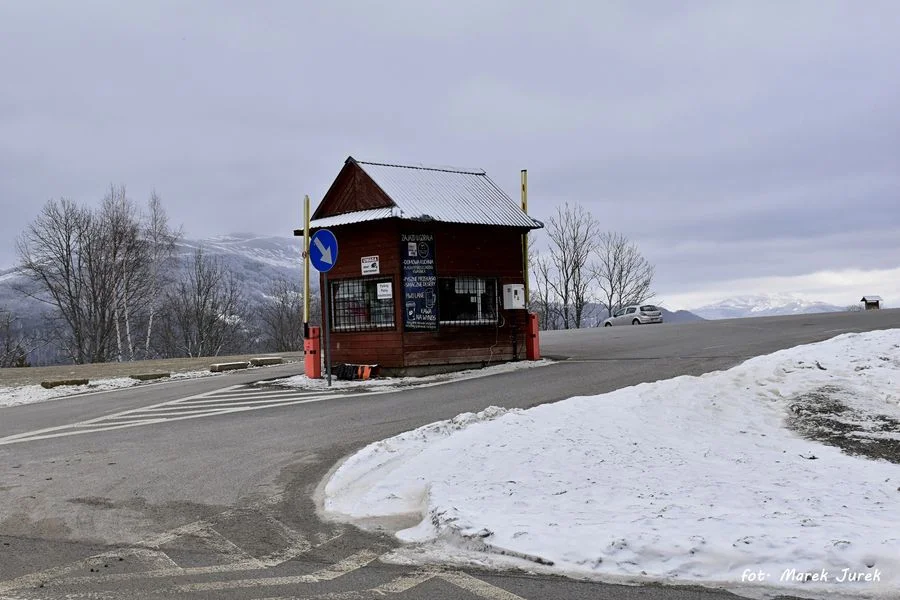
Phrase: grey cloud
[757,130]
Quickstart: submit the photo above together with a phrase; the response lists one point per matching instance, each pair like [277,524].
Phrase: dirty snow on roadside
[689,480]
[28,394]
[392,383]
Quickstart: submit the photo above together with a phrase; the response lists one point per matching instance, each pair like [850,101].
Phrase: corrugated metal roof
[871,299]
[447,195]
[360,216]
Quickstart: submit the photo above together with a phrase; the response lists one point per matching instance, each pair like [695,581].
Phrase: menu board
[420,310]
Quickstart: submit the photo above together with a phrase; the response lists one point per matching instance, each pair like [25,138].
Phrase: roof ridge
[444,169]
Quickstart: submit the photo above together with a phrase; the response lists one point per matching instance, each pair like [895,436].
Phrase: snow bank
[691,480]
[394,383]
[27,394]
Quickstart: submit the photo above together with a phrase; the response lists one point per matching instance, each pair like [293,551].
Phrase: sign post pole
[306,264]
[323,253]
[525,240]
[326,317]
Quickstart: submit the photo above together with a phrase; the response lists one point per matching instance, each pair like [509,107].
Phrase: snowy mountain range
[273,251]
[255,260]
[763,305]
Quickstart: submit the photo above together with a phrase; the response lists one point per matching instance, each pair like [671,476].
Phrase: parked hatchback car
[636,314]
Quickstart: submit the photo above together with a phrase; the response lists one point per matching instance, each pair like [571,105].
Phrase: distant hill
[680,316]
[763,305]
[255,261]
[595,314]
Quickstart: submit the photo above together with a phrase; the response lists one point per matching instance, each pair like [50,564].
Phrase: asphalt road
[170,491]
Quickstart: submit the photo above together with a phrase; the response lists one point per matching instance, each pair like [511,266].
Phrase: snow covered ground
[27,394]
[394,383]
[699,480]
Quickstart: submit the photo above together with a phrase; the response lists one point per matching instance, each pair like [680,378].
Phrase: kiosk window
[467,300]
[356,305]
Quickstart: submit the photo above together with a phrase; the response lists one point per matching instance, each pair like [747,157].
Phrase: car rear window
[648,308]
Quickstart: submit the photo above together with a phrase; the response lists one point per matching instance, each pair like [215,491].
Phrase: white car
[636,314]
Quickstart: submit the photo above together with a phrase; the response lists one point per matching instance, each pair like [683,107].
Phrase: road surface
[205,488]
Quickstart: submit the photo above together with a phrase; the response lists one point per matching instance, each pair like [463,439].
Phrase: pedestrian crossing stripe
[236,398]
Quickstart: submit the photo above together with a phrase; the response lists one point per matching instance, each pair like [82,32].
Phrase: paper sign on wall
[370,265]
[384,291]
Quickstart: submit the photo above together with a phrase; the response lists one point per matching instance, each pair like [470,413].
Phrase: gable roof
[368,191]
[871,299]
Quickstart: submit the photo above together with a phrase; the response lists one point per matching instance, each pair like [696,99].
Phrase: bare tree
[66,251]
[127,251]
[573,237]
[542,296]
[281,316]
[15,343]
[160,242]
[622,273]
[202,314]
[102,271]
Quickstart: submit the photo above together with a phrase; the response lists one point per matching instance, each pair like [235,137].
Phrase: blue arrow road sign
[323,250]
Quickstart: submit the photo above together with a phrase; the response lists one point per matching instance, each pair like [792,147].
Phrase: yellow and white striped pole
[306,262]
[525,237]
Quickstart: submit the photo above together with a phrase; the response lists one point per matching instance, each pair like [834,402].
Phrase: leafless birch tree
[126,250]
[160,240]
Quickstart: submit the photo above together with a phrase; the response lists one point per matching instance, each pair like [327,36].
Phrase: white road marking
[219,543]
[203,401]
[249,565]
[45,576]
[348,565]
[478,587]
[180,409]
[135,417]
[399,585]
[404,583]
[297,545]
[146,550]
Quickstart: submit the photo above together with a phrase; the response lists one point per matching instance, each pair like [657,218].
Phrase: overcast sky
[746,147]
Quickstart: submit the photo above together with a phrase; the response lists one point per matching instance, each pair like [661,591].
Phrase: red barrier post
[312,350]
[532,339]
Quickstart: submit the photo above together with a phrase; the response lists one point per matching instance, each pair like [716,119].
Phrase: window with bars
[467,300]
[362,304]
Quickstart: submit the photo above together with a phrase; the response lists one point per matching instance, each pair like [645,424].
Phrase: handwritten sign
[420,310]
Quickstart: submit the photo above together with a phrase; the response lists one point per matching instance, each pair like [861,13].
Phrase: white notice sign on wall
[370,265]
[384,291]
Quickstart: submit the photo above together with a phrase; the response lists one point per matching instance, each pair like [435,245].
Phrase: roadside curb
[229,366]
[150,376]
[49,385]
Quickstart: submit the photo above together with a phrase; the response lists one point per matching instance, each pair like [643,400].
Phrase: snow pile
[691,480]
[28,394]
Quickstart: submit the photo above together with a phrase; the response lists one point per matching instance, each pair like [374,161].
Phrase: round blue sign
[323,250]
